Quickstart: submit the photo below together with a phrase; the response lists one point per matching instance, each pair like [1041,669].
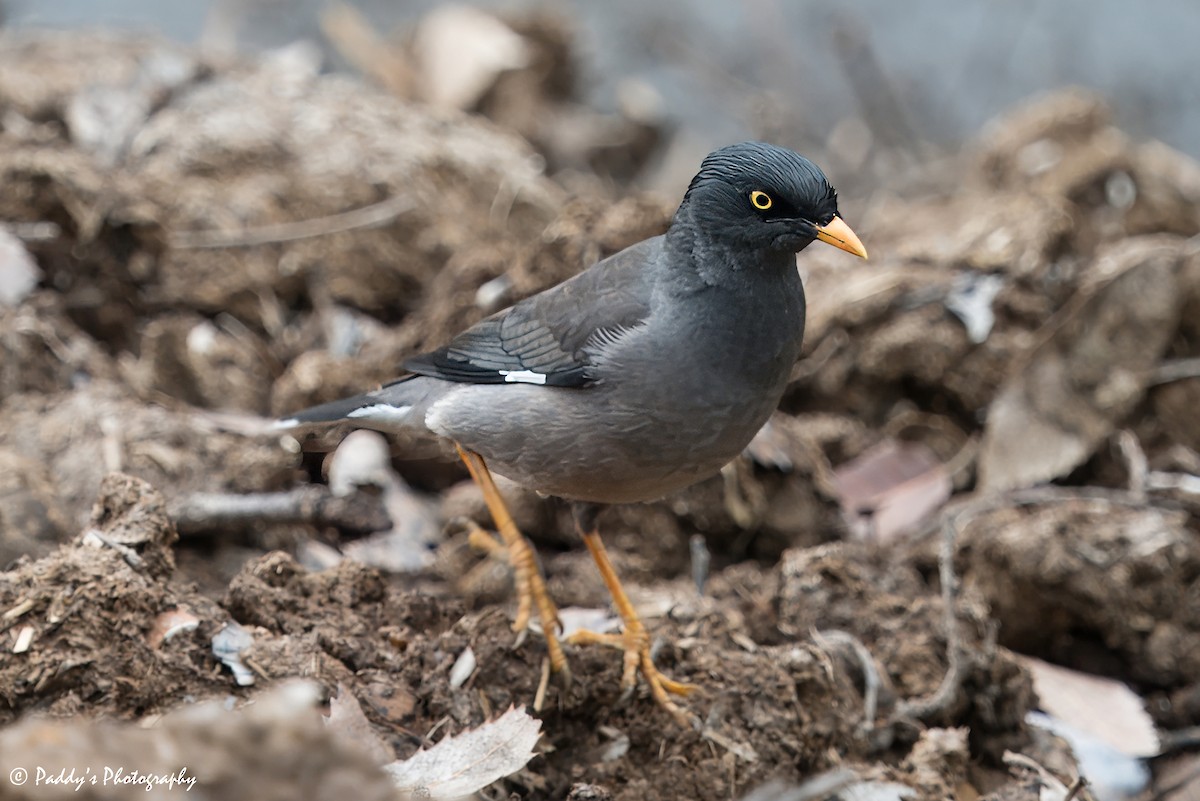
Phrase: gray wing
[542,339]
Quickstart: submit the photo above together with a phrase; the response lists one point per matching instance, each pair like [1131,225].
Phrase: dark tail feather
[397,393]
[321,428]
[326,412]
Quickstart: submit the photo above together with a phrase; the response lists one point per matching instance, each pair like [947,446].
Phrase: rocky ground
[990,453]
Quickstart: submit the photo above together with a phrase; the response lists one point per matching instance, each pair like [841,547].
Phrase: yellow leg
[531,588]
[634,640]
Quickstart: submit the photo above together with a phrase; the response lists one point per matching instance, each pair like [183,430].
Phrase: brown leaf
[169,623]
[891,489]
[1089,371]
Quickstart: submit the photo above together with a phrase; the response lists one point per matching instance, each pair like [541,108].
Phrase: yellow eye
[761,200]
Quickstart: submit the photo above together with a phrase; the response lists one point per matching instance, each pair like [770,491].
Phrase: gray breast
[677,398]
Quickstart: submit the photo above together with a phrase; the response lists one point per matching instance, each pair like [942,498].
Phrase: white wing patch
[522,377]
[382,413]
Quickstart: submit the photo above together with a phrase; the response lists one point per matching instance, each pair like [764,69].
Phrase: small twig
[1034,496]
[701,559]
[925,708]
[313,504]
[376,214]
[973,507]
[1180,739]
[358,41]
[963,460]
[1136,466]
[1183,482]
[429,734]
[1174,370]
[18,609]
[503,201]
[112,444]
[871,680]
[31,326]
[742,751]
[539,698]
[257,668]
[485,704]
[130,556]
[1074,789]
[13,615]
[1048,779]
[33,231]
[909,419]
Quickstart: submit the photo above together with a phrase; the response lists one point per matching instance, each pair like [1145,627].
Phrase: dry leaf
[890,489]
[24,639]
[1104,708]
[618,745]
[1110,774]
[19,273]
[468,762]
[821,786]
[169,623]
[1089,371]
[228,645]
[970,300]
[460,51]
[878,791]
[579,618]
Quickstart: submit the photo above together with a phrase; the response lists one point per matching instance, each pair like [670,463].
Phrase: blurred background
[912,76]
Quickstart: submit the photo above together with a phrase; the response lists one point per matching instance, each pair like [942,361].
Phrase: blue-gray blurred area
[731,69]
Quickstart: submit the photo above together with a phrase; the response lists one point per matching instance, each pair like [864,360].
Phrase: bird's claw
[635,645]
[530,589]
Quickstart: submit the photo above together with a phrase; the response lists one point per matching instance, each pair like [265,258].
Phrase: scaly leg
[633,640]
[530,586]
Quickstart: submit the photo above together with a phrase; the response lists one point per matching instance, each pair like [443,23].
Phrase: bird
[643,374]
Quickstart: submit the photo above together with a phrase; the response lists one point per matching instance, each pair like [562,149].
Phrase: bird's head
[763,197]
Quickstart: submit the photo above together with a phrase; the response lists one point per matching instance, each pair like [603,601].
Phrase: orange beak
[838,234]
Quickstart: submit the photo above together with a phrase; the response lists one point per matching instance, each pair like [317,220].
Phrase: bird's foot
[635,643]
[531,591]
